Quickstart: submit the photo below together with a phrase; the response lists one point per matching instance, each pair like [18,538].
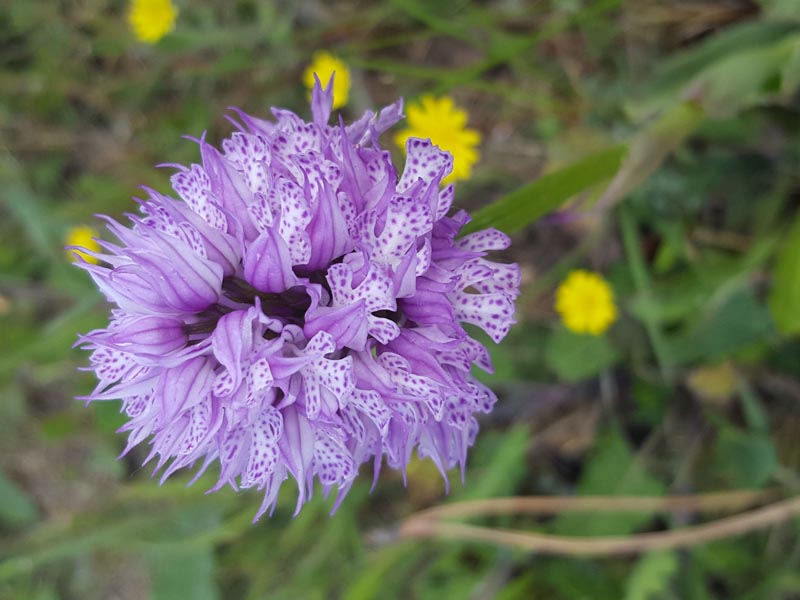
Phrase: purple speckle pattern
[298,310]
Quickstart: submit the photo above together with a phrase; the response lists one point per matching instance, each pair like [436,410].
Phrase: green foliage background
[665,133]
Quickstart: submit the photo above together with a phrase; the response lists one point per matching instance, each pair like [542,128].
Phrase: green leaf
[753,408]
[676,72]
[383,572]
[651,576]
[497,465]
[651,402]
[790,74]
[784,298]
[684,295]
[612,469]
[16,509]
[574,579]
[722,330]
[530,202]
[650,147]
[445,577]
[518,588]
[574,357]
[25,207]
[746,459]
[184,574]
[780,9]
[185,570]
[742,79]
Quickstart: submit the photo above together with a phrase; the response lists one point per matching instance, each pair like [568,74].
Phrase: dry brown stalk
[544,505]
[430,523]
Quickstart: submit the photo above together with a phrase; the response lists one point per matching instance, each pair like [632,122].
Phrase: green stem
[641,280]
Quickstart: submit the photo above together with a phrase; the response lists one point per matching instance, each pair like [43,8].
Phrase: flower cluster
[299,311]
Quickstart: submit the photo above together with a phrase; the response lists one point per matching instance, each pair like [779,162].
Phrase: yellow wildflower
[324,64]
[445,124]
[152,19]
[82,236]
[585,302]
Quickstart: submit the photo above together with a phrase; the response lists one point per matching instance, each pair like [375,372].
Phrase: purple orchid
[299,311]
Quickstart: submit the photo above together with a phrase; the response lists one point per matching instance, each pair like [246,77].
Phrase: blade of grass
[528,203]
[641,279]
[24,207]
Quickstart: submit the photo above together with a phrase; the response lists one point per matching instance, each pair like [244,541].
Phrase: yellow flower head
[324,64]
[82,236]
[152,19]
[585,302]
[446,125]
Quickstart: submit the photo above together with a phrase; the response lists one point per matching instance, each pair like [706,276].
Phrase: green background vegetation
[670,127]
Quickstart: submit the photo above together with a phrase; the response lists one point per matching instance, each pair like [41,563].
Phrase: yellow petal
[82,236]
[444,123]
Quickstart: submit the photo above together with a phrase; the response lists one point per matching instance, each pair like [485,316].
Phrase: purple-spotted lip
[298,312]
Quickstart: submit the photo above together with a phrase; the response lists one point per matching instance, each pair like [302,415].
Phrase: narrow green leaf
[384,571]
[784,298]
[497,465]
[25,208]
[184,574]
[16,509]
[528,203]
[753,408]
[186,570]
[790,74]
[651,576]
